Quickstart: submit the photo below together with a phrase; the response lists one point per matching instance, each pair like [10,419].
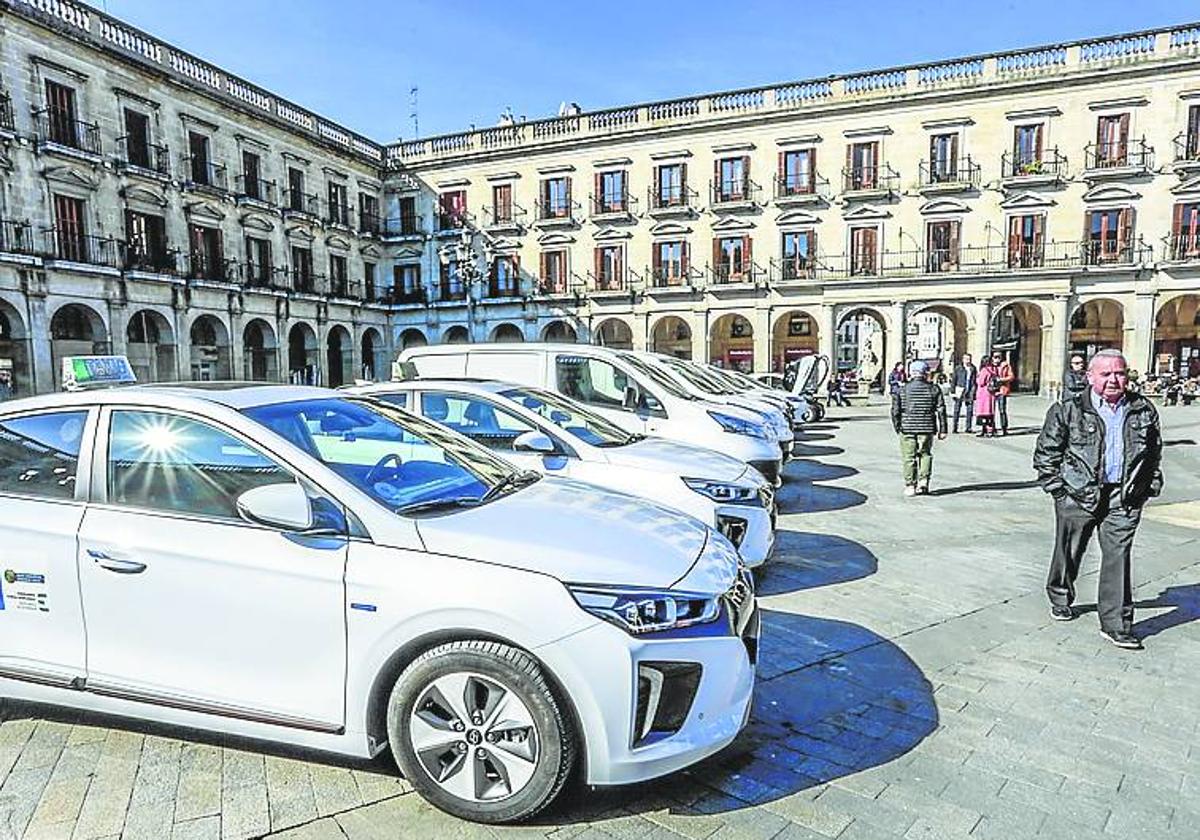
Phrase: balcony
[1021,169]
[606,282]
[793,269]
[57,130]
[794,189]
[734,275]
[871,181]
[610,208]
[510,288]
[337,215]
[1183,247]
[74,246]
[305,282]
[135,155]
[672,277]
[452,222]
[7,123]
[943,176]
[558,287]
[215,269]
[556,213]
[149,257]
[16,237]
[369,223]
[403,228]
[302,205]
[1117,160]
[672,200]
[204,174]
[451,294]
[403,297]
[505,218]
[1187,152]
[249,189]
[255,275]
[1099,253]
[343,288]
[730,195]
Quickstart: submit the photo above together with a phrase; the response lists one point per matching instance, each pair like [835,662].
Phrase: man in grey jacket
[918,413]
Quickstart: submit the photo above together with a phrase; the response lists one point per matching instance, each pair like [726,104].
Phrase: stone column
[896,332]
[641,331]
[827,332]
[979,334]
[1138,341]
[761,324]
[41,359]
[1054,344]
[698,321]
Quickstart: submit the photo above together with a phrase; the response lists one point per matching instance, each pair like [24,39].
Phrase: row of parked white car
[517,563]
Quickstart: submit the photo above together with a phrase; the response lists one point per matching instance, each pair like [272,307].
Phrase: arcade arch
[672,336]
[614,333]
[150,346]
[731,342]
[795,334]
[259,356]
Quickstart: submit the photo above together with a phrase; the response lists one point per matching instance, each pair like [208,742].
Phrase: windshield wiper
[515,479]
[438,504]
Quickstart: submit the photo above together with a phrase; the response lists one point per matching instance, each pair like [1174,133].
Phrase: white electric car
[538,429]
[303,566]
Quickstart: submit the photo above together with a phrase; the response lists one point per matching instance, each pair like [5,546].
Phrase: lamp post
[466,259]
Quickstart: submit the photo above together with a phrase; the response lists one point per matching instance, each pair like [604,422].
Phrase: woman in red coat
[986,385]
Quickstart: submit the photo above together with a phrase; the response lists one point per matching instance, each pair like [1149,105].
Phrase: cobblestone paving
[911,685]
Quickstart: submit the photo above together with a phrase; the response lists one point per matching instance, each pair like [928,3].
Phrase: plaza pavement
[911,685]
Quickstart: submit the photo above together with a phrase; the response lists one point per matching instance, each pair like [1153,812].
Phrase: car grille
[769,469]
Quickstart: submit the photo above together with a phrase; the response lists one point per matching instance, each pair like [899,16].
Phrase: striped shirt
[1113,415]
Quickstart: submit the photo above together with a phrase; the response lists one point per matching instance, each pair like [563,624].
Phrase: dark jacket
[919,408]
[964,377]
[1069,456]
[1076,383]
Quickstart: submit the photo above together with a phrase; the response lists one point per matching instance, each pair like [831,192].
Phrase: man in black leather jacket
[1099,456]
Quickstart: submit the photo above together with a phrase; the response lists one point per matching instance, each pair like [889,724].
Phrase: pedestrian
[896,378]
[986,388]
[1076,381]
[6,385]
[834,389]
[918,413]
[1005,379]
[1099,456]
[963,386]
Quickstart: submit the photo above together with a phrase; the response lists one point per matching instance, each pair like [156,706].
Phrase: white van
[639,399]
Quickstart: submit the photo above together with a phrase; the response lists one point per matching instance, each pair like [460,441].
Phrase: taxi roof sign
[82,372]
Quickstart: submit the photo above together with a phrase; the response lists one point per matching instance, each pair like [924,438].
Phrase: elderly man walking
[1099,456]
[918,413]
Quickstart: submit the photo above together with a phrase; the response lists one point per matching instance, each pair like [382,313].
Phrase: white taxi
[302,566]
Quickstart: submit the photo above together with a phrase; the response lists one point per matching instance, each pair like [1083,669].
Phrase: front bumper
[598,668]
[756,527]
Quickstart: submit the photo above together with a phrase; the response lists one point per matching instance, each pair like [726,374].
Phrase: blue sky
[355,61]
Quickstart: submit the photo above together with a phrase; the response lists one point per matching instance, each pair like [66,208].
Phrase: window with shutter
[1186,232]
[863,255]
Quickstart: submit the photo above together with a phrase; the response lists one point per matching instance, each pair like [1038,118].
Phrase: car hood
[576,532]
[680,459]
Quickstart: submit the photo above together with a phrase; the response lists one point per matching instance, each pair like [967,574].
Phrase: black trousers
[959,404]
[1115,526]
[1002,412]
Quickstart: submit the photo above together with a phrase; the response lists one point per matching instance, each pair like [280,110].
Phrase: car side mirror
[632,399]
[538,442]
[284,506]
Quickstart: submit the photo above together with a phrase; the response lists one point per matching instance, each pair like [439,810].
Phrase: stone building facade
[1037,201]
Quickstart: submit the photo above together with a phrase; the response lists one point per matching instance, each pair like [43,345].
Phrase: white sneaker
[922,489]
[909,490]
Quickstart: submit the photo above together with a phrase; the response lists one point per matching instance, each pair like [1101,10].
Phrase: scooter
[804,378]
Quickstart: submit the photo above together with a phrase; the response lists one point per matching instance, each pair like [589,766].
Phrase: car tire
[516,747]
[808,415]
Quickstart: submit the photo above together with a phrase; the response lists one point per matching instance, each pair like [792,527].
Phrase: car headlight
[737,425]
[723,491]
[640,611]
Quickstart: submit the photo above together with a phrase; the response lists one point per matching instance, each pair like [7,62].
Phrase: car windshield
[406,463]
[571,417]
[697,378]
[659,378]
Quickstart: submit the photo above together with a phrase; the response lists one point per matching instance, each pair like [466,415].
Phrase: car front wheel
[476,729]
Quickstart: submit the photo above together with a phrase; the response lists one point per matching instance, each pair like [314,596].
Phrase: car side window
[478,419]
[39,454]
[166,462]
[400,399]
[591,381]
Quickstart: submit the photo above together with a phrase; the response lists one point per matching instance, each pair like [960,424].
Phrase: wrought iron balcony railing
[556,211]
[149,256]
[73,245]
[403,297]
[610,282]
[1187,146]
[306,281]
[201,266]
[870,178]
[1116,155]
[613,205]
[790,269]
[552,287]
[454,220]
[369,223]
[60,128]
[726,274]
[297,201]
[16,237]
[199,171]
[403,226]
[672,276]
[672,197]
[257,275]
[1049,163]
[504,215]
[503,288]
[800,184]
[725,191]
[964,172]
[1182,247]
[135,153]
[255,189]
[337,214]
[452,293]
[344,288]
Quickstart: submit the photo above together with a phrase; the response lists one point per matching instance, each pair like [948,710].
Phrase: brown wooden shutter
[1177,224]
[685,259]
[597,261]
[812,245]
[1124,229]
[952,257]
[783,167]
[716,262]
[1039,227]
[542,266]
[568,191]
[598,196]
[718,188]
[656,258]
[1123,133]
[747,255]
[1037,140]
[954,155]
[1014,238]
[683,181]
[657,185]
[744,186]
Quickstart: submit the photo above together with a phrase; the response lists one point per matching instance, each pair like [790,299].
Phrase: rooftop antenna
[412,102]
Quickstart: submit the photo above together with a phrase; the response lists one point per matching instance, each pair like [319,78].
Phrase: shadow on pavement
[990,487]
[805,450]
[823,559]
[1180,442]
[800,493]
[1186,603]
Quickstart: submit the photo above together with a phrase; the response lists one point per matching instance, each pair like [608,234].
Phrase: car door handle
[116,564]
